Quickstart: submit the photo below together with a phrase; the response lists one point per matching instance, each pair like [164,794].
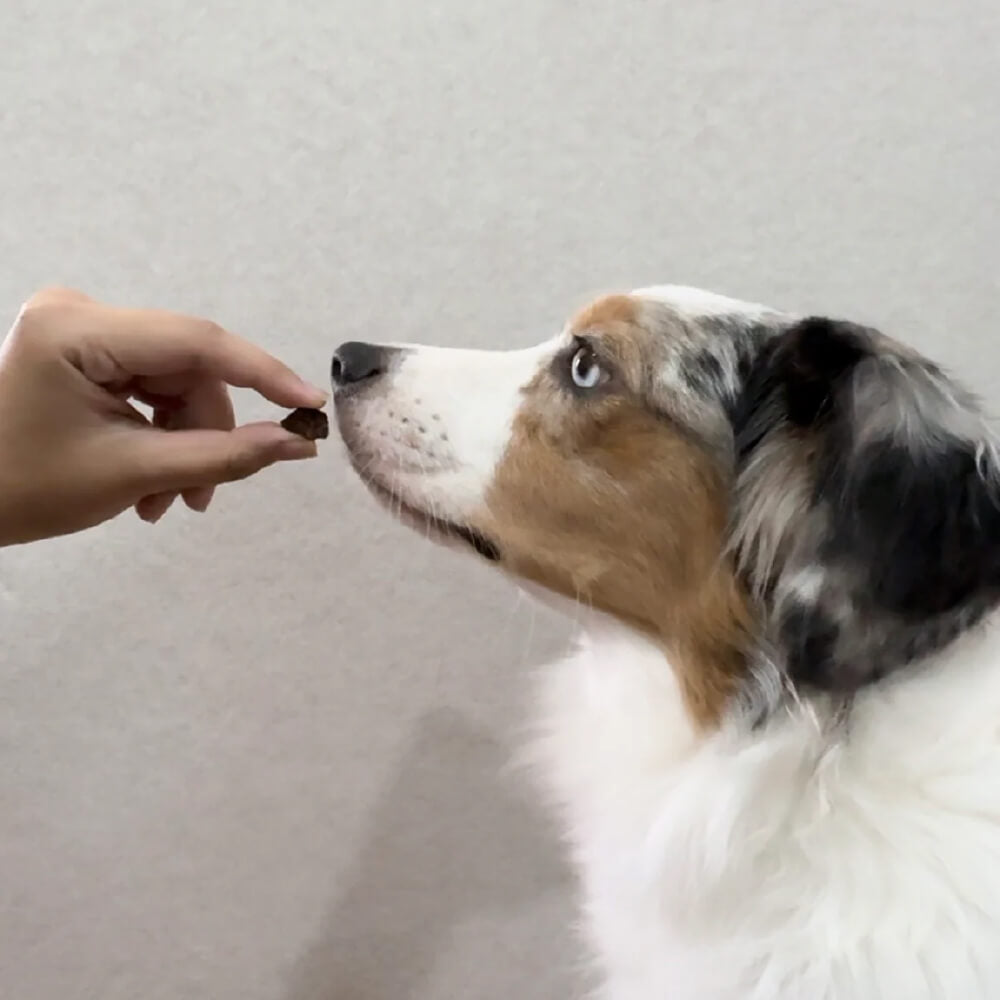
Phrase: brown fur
[606,312]
[602,500]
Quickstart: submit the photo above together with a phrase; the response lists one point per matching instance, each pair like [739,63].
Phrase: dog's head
[734,482]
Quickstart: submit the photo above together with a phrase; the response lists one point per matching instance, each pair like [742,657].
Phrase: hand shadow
[448,838]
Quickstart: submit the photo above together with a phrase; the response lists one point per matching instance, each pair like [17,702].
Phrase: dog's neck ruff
[789,860]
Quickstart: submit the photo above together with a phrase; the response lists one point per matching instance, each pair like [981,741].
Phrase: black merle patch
[902,526]
[814,356]
[920,523]
[704,373]
[794,378]
[809,640]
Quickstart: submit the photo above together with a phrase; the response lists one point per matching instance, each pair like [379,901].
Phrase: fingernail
[312,395]
[296,448]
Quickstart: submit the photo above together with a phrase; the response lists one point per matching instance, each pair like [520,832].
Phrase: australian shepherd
[776,750]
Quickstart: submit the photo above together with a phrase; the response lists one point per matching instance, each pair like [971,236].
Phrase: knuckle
[55,293]
[242,464]
[208,329]
[40,316]
[48,304]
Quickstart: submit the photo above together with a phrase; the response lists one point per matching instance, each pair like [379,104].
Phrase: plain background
[262,754]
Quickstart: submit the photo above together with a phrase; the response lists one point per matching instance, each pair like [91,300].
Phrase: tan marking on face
[615,321]
[607,312]
[602,500]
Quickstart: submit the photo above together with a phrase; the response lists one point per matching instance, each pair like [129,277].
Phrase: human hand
[75,452]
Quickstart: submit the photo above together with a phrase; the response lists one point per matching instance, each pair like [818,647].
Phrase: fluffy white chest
[800,861]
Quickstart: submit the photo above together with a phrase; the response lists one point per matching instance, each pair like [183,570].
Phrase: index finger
[154,342]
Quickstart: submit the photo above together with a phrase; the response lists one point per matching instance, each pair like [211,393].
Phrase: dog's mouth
[368,463]
[431,525]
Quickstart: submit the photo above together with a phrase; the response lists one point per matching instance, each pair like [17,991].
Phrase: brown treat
[311,424]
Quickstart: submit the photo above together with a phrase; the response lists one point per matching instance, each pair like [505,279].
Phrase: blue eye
[584,368]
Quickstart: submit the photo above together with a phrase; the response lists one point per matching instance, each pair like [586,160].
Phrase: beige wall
[259,755]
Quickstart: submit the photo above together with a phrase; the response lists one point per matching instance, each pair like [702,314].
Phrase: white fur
[806,861]
[699,302]
[817,857]
[442,421]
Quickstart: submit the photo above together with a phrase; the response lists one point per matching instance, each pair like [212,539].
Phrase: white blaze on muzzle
[430,424]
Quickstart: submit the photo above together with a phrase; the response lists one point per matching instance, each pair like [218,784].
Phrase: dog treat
[311,424]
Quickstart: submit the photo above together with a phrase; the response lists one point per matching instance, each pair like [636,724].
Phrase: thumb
[180,460]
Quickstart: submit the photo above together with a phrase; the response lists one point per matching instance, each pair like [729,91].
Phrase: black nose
[355,362]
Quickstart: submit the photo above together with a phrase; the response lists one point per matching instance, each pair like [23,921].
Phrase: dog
[775,753]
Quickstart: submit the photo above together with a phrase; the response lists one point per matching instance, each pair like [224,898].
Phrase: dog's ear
[921,518]
[813,359]
[906,472]
[898,526]
[794,378]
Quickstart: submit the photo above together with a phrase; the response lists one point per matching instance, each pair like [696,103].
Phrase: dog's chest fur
[806,860]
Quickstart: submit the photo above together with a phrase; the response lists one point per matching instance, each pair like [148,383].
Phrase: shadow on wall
[448,839]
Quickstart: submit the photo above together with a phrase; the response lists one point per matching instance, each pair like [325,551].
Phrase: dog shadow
[449,838]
